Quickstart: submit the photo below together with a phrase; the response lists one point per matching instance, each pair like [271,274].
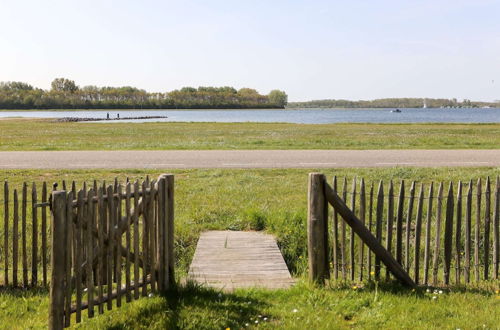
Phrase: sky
[310,49]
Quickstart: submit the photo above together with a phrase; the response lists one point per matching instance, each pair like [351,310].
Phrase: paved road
[246,159]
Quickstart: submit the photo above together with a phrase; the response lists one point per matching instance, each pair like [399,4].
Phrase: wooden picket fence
[433,231]
[25,235]
[109,244]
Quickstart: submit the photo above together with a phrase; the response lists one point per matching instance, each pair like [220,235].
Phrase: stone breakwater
[76,119]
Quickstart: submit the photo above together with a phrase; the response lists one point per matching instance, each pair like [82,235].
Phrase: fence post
[317,228]
[163,234]
[170,228]
[59,237]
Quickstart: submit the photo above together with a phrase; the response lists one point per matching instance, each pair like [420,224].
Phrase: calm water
[305,116]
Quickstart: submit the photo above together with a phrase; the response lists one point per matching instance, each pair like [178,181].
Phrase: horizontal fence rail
[439,233]
[110,243]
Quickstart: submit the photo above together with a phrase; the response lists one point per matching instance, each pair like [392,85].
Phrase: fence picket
[487,221]
[378,226]
[6,231]
[458,233]
[118,242]
[448,235]
[352,238]
[34,237]
[44,234]
[335,230]
[90,219]
[370,221]
[477,233]
[437,241]
[427,250]
[68,262]
[343,232]
[399,223]
[136,240]
[467,241]
[110,251]
[101,254]
[418,231]
[127,243]
[496,224]
[362,214]
[408,227]
[15,239]
[390,221]
[78,255]
[24,242]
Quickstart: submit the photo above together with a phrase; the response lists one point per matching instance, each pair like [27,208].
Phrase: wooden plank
[468,228]
[69,257]
[152,235]
[378,226]
[487,221]
[367,237]
[317,216]
[6,231]
[44,234]
[127,243]
[352,238]
[343,230]
[399,223]
[390,221]
[437,242]
[34,237]
[362,214]
[118,242]
[418,231]
[101,253]
[428,235]
[458,234]
[448,234]
[15,239]
[136,240]
[477,233]
[91,220]
[24,256]
[370,221]
[57,283]
[335,229]
[496,229]
[235,259]
[145,236]
[162,262]
[408,227]
[111,245]
[78,255]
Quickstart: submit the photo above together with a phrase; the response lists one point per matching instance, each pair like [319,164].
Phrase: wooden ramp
[237,259]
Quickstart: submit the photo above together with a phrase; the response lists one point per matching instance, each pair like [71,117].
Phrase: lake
[300,116]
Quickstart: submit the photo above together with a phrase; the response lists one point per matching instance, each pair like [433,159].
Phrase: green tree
[278,98]
[64,85]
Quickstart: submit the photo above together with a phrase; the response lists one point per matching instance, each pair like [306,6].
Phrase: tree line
[394,103]
[66,94]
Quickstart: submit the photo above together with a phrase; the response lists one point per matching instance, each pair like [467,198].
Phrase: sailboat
[425,104]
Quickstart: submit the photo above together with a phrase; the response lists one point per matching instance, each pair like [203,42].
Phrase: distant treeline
[393,103]
[65,94]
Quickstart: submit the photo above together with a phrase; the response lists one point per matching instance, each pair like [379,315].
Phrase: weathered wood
[127,242]
[15,239]
[468,218]
[428,235]
[91,220]
[343,231]
[477,233]
[44,234]
[370,222]
[110,249]
[145,237]
[408,227]
[136,240]
[418,231]
[58,260]
[362,214]
[34,237]
[317,216]
[118,242]
[399,223]
[234,259]
[68,287]
[458,234]
[496,229]
[487,221]
[152,231]
[437,242]
[6,231]
[448,234]
[352,237]
[390,222]
[78,256]
[367,237]
[378,226]
[101,253]
[23,234]
[335,228]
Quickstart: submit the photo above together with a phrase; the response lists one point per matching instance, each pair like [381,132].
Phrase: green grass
[275,201]
[37,134]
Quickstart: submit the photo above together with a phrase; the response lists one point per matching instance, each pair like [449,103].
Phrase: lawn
[36,134]
[275,200]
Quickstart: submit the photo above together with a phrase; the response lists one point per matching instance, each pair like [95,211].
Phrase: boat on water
[396,110]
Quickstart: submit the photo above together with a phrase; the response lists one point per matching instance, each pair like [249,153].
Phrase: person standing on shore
[107,115]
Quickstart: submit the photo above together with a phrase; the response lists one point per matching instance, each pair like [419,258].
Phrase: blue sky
[311,49]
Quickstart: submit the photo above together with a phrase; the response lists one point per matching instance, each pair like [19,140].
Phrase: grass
[36,134]
[275,201]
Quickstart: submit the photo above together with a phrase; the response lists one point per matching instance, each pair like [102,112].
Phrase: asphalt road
[246,159]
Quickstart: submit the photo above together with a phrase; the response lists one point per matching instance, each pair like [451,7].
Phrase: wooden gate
[110,243]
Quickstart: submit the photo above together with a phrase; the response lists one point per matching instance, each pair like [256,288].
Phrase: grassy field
[273,200]
[23,134]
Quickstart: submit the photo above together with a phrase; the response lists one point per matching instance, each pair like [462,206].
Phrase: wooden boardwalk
[237,259]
